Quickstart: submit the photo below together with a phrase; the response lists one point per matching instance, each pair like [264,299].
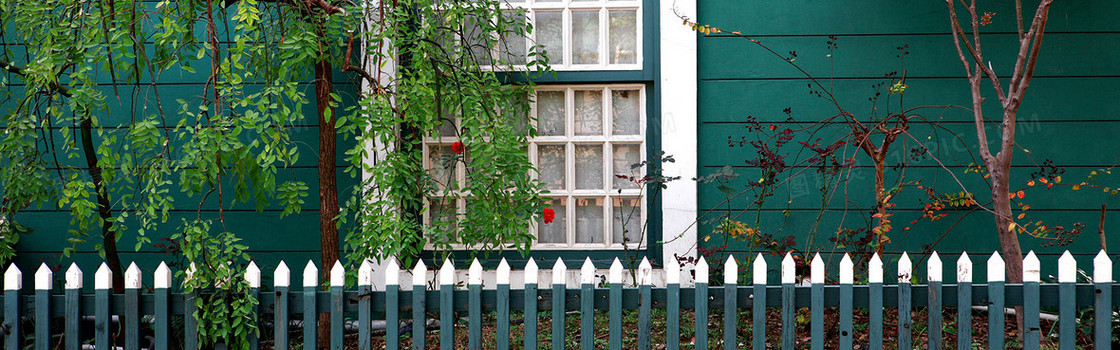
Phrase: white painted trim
[678,128]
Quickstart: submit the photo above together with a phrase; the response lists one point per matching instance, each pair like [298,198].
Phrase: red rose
[457,147]
[549,215]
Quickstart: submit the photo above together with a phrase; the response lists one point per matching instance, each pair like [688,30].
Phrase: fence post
[338,286]
[1067,278]
[788,279]
[532,281]
[964,302]
[996,318]
[281,281]
[816,317]
[701,308]
[310,307]
[132,282]
[1031,277]
[875,301]
[587,305]
[730,299]
[645,303]
[905,271]
[758,312]
[934,276]
[1102,321]
[672,304]
[419,304]
[615,311]
[43,286]
[13,282]
[502,338]
[559,272]
[365,296]
[162,282]
[190,323]
[847,278]
[73,287]
[447,305]
[474,285]
[392,304]
[253,278]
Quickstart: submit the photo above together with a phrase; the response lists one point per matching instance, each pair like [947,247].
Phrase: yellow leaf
[1058,179]
[1076,187]
[1011,226]
[1021,215]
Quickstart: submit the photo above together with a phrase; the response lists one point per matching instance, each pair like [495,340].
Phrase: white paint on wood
[43,277]
[132,277]
[997,269]
[253,275]
[615,275]
[702,270]
[847,273]
[392,272]
[310,275]
[905,268]
[964,269]
[419,274]
[672,271]
[645,272]
[532,273]
[816,270]
[587,272]
[73,277]
[365,273]
[103,277]
[338,275]
[1102,268]
[1067,268]
[447,273]
[759,270]
[730,271]
[789,270]
[162,276]
[503,272]
[558,272]
[1032,269]
[935,272]
[474,273]
[13,278]
[190,271]
[678,129]
[282,277]
[875,269]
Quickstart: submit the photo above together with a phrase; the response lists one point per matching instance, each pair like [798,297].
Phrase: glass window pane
[443,217]
[556,231]
[512,46]
[589,220]
[589,112]
[626,109]
[627,218]
[550,34]
[589,167]
[585,37]
[550,113]
[623,36]
[550,163]
[477,40]
[443,163]
[625,156]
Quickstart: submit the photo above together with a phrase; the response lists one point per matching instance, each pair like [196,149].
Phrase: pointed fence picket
[123,315]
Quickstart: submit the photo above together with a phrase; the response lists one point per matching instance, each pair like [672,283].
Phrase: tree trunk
[999,170]
[880,201]
[104,209]
[328,189]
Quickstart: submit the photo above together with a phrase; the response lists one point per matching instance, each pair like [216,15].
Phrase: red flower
[549,215]
[457,147]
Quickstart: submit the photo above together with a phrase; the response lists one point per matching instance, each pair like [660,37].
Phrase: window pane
[589,167]
[585,37]
[626,112]
[476,39]
[512,46]
[589,112]
[443,164]
[625,156]
[442,216]
[627,217]
[623,36]
[550,34]
[556,231]
[589,220]
[550,113]
[550,162]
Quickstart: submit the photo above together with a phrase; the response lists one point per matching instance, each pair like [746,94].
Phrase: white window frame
[564,62]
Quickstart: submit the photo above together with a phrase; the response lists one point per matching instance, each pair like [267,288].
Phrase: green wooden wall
[1071,114]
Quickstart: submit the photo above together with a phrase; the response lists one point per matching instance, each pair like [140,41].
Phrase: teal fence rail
[45,319]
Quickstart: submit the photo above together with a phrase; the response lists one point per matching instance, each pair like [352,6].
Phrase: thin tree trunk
[880,201]
[104,209]
[328,189]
